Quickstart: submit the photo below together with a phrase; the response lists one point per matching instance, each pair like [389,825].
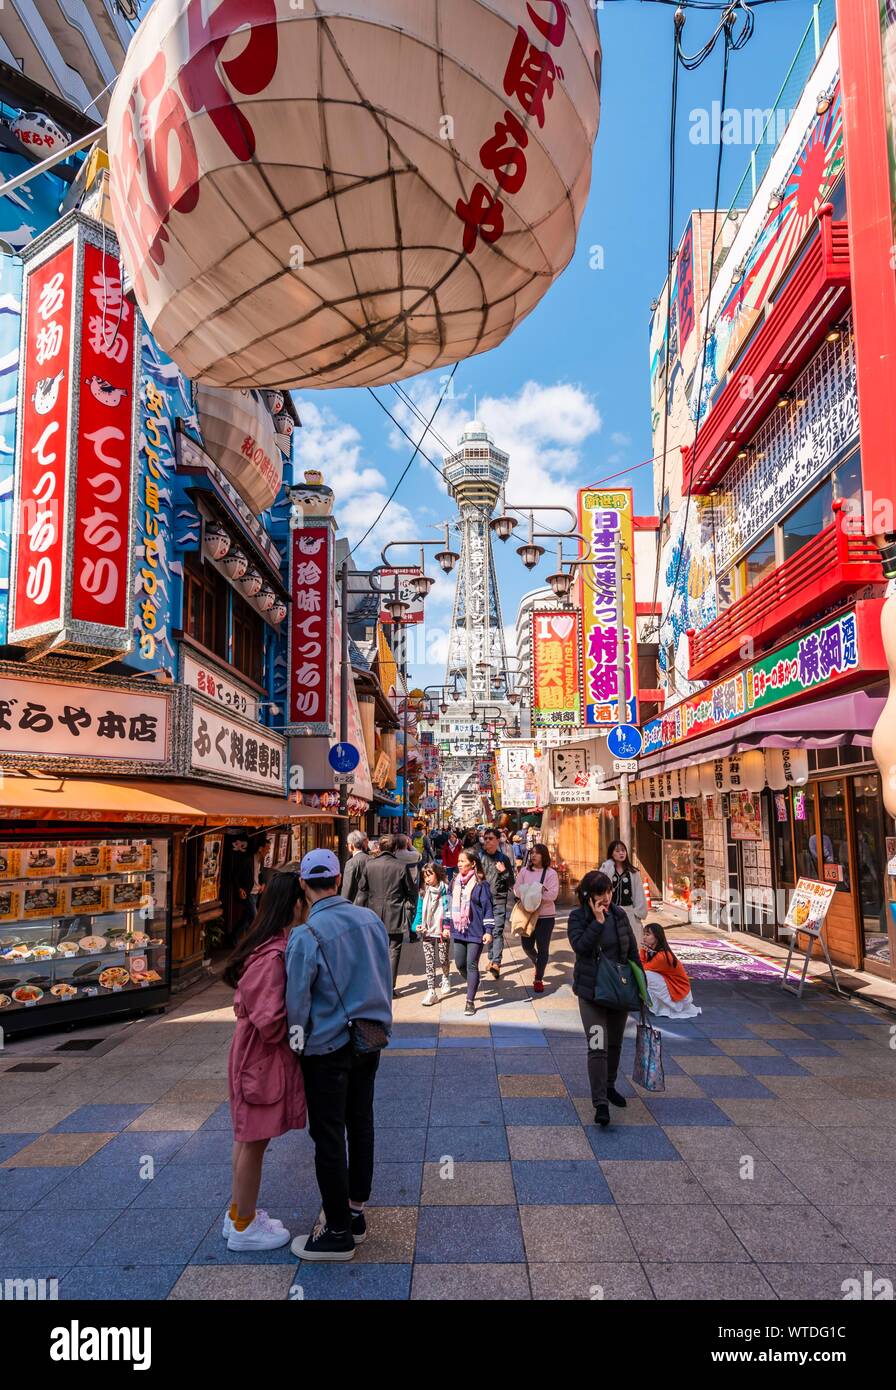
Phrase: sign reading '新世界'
[816,659]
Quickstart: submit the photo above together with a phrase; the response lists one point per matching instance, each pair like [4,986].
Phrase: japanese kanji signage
[817,660]
[685,288]
[311,645]
[604,517]
[10,347]
[386,584]
[37,579]
[515,768]
[71,576]
[556,668]
[206,678]
[235,750]
[41,720]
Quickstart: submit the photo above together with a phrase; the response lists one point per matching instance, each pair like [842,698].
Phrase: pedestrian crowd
[317,967]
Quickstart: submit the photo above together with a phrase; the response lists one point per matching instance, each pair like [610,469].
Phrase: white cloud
[622,440]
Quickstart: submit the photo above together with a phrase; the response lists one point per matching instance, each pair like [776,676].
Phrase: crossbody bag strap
[323,956]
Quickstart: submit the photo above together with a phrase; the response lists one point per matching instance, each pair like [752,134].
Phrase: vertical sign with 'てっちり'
[556,668]
[72,570]
[37,579]
[311,630]
[102,546]
[606,520]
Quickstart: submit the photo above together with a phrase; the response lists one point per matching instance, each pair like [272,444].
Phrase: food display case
[679,872]
[84,928]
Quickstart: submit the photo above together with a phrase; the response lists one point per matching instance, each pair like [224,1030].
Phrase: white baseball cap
[319,863]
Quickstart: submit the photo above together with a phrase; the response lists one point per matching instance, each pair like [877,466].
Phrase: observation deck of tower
[478,470]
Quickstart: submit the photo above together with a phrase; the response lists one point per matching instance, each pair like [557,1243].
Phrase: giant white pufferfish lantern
[347,192]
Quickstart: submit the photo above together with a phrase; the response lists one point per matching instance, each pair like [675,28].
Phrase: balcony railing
[824,571]
[813,293]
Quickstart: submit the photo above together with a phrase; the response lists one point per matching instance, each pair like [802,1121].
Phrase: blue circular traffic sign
[344,757]
[625,741]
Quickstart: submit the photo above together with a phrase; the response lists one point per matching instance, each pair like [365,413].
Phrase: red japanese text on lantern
[159,165]
[529,77]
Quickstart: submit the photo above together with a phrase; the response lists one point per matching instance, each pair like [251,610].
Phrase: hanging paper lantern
[345,194]
[752,770]
[251,582]
[236,562]
[37,132]
[706,775]
[217,540]
[692,781]
[786,767]
[239,436]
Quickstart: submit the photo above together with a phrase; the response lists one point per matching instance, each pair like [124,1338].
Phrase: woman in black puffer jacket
[596,926]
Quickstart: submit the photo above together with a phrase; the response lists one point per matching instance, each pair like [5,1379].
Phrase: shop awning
[155,803]
[843,720]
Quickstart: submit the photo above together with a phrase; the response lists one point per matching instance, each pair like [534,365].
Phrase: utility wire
[407,466]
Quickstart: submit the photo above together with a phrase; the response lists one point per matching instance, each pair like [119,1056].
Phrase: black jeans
[339,1090]
[538,945]
[466,958]
[496,949]
[395,940]
[604,1030]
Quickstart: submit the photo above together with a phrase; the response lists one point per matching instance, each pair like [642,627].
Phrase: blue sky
[567,394]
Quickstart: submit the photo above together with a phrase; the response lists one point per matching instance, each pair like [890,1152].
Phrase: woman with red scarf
[473,920]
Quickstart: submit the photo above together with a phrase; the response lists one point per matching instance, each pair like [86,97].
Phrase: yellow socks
[233,1213]
[242,1222]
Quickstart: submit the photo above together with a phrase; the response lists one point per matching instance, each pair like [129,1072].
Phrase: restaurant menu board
[81,920]
[809,905]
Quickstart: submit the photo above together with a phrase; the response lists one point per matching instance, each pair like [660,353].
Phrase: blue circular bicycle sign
[344,757]
[625,741]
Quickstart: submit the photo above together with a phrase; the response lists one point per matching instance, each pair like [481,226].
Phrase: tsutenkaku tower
[476,474]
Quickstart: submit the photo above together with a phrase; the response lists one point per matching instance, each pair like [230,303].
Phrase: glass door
[871,871]
[833,850]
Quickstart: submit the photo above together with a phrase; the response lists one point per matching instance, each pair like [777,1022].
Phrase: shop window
[837,197]
[871,865]
[205,605]
[809,519]
[760,562]
[248,640]
[802,801]
[665,521]
[671,674]
[848,482]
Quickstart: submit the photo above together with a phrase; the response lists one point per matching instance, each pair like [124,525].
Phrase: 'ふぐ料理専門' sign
[229,749]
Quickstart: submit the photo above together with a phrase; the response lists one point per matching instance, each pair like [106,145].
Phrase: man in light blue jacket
[337,970]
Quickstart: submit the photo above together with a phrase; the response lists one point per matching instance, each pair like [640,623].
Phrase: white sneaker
[228,1224]
[261,1234]
[431,998]
[446,986]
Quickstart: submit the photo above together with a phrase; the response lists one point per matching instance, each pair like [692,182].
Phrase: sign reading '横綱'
[820,658]
[71,575]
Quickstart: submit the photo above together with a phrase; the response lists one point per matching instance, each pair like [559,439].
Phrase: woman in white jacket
[628,890]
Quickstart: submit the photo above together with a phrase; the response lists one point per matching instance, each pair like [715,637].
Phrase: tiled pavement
[763,1171]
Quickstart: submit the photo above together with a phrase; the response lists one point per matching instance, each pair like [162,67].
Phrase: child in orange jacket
[667,980]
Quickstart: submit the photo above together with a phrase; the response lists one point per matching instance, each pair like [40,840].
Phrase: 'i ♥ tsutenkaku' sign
[71,574]
[556,668]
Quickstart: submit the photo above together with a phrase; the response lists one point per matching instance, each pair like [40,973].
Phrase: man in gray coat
[354,868]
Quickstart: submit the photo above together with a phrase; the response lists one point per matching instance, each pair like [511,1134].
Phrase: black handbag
[367,1035]
[617,984]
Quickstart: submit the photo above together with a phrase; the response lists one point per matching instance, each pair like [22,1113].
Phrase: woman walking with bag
[472,920]
[628,890]
[541,881]
[434,928]
[605,984]
[267,1095]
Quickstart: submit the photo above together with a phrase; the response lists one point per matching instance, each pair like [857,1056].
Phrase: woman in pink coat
[267,1097]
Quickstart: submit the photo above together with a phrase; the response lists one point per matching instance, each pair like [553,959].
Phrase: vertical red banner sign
[311,629]
[100,575]
[38,581]
[869,120]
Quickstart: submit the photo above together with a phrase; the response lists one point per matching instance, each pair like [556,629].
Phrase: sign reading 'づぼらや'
[556,668]
[230,749]
[71,577]
[47,722]
[821,658]
[311,629]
